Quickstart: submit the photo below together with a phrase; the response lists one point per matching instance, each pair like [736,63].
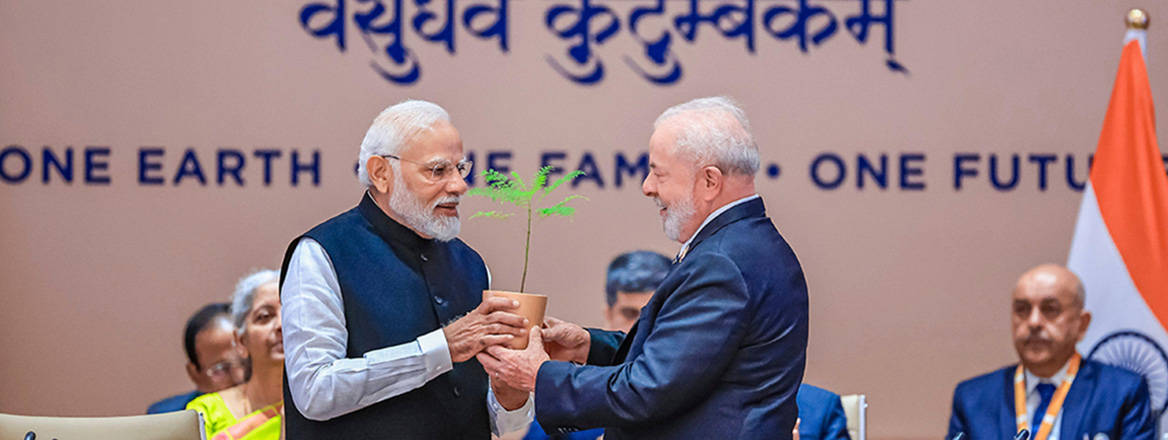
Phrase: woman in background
[252,410]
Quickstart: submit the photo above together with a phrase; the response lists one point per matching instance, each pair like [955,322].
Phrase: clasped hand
[492,323]
[561,341]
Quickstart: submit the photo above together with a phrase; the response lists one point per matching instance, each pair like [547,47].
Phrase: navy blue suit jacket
[172,403]
[822,414]
[1103,399]
[536,432]
[717,353]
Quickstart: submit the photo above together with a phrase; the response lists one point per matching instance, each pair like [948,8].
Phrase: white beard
[676,215]
[421,217]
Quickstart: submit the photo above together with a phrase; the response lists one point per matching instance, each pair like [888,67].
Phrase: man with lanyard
[1054,393]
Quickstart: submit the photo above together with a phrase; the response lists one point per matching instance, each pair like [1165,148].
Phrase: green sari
[221,424]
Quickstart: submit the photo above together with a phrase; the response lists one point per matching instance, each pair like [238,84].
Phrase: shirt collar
[1032,380]
[712,216]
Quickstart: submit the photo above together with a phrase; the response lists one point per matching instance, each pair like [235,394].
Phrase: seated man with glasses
[213,363]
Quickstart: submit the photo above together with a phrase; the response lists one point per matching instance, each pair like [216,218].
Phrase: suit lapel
[648,316]
[1076,402]
[643,324]
[623,350]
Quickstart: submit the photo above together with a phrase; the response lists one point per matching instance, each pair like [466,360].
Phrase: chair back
[856,410]
[179,425]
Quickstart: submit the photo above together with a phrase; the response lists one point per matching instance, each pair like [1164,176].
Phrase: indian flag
[1120,247]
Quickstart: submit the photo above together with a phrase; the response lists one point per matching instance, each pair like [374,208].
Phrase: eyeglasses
[441,170]
[223,368]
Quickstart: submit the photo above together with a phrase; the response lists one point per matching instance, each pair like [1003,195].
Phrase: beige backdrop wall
[908,285]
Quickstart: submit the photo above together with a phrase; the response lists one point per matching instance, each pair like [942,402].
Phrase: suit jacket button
[423,256]
[457,392]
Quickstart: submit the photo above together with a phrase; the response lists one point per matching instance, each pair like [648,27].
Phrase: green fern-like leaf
[567,178]
[510,188]
[500,188]
[518,182]
[490,214]
[541,177]
[493,177]
[561,209]
[493,193]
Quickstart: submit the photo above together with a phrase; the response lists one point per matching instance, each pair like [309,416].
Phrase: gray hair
[244,296]
[392,130]
[714,131]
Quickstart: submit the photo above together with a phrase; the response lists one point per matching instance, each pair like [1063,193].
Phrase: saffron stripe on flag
[1130,184]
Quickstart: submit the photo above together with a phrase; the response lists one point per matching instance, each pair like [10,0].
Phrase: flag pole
[1137,29]
[1120,249]
[1137,19]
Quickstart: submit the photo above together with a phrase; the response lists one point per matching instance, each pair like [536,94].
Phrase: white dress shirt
[1033,398]
[323,382]
[712,216]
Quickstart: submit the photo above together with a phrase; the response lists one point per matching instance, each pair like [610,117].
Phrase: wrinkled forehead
[1041,286]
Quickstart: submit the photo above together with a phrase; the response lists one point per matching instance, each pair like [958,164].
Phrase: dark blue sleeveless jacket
[397,286]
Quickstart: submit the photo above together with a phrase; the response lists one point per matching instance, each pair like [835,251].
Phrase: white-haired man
[383,310]
[719,350]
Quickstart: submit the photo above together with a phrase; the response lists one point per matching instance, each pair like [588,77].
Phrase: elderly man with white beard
[719,350]
[383,310]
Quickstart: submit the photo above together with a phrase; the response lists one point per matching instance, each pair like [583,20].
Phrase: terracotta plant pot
[531,306]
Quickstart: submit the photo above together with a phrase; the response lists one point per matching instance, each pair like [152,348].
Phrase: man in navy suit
[1062,396]
[821,414]
[719,350]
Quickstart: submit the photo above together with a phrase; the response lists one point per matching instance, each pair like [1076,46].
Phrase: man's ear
[380,173]
[194,374]
[1084,322]
[710,181]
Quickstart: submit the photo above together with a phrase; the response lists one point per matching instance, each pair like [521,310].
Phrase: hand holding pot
[515,368]
[491,323]
[565,341]
[510,398]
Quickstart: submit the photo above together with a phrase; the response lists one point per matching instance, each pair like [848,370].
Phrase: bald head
[1048,318]
[1053,276]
